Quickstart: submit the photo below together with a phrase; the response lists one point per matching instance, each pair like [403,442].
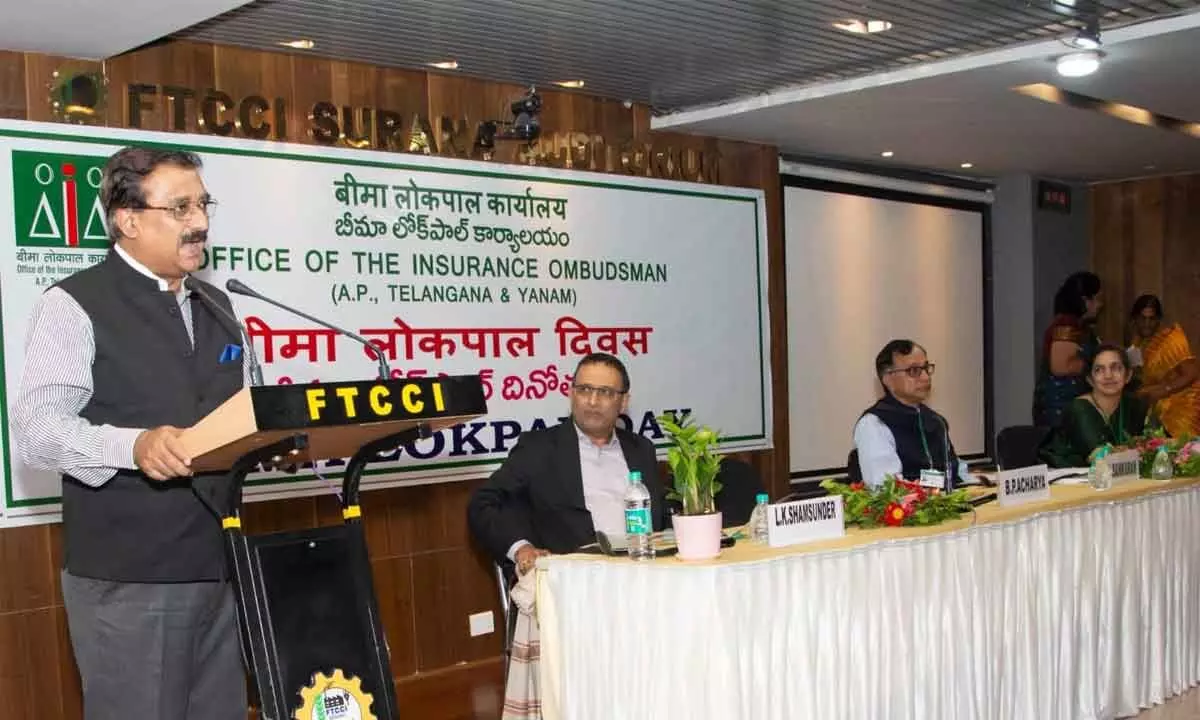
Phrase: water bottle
[637,519]
[1100,475]
[1162,469]
[758,520]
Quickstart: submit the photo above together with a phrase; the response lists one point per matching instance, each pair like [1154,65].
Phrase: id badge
[933,479]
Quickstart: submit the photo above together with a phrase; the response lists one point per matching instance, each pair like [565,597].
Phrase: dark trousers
[156,651]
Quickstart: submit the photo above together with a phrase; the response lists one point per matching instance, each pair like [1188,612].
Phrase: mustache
[194,236]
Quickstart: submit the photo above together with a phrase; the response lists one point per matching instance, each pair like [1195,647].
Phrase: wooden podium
[311,636]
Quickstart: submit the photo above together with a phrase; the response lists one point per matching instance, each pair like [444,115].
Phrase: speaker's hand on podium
[160,454]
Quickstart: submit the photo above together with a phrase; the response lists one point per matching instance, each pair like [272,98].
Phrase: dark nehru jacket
[906,424]
[147,373]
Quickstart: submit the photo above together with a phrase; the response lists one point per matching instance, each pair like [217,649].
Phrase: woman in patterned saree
[1067,347]
[1169,370]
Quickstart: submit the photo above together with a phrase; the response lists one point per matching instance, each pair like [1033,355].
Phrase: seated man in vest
[900,435]
[559,485]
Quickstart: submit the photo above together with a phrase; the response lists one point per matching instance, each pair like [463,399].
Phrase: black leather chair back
[1017,446]
[740,485]
[853,471]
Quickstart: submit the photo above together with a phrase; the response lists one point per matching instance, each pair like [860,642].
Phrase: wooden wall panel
[449,585]
[775,466]
[1147,247]
[32,585]
[1106,248]
[281,515]
[428,574]
[12,85]
[393,579]
[64,672]
[1146,239]
[312,80]
[185,65]
[30,641]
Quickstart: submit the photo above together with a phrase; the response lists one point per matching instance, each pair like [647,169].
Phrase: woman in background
[1106,414]
[1066,344]
[1169,370]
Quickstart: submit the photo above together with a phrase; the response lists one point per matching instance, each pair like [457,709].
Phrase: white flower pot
[698,536]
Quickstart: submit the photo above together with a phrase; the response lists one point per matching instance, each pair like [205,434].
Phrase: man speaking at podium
[119,357]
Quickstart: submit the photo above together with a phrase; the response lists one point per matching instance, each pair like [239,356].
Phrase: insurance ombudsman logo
[56,200]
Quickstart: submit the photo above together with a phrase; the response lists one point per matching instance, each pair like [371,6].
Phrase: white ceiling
[942,114]
[95,30]
[666,53]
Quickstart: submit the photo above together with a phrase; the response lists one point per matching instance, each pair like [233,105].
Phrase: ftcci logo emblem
[56,200]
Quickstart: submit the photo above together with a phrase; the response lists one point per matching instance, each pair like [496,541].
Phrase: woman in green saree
[1105,414]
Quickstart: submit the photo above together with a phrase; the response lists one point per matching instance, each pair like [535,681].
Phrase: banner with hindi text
[448,266]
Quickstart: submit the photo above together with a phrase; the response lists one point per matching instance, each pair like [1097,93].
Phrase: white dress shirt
[605,476]
[60,347]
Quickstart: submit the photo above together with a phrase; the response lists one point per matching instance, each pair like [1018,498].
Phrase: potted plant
[694,465]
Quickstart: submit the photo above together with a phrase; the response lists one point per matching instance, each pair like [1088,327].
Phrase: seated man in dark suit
[559,485]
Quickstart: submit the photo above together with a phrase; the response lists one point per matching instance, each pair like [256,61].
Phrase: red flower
[894,514]
[857,486]
[1155,443]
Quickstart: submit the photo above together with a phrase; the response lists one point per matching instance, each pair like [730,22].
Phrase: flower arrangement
[1184,453]
[694,464]
[1187,459]
[897,502]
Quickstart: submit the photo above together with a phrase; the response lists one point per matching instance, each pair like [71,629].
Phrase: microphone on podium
[237,286]
[256,373]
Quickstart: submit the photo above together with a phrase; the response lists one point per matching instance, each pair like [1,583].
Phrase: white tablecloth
[1092,611]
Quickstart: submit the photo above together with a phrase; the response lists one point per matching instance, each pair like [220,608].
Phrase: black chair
[1017,446]
[506,579]
[740,486]
[853,470]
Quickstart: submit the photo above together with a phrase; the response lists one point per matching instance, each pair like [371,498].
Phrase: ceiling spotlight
[967,166]
[886,153]
[573,84]
[1078,64]
[299,44]
[444,65]
[863,27]
[1086,39]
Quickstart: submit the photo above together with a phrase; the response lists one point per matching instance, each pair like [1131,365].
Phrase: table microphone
[237,286]
[950,473]
[256,373]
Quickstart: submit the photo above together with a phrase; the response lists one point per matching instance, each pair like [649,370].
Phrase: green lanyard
[1120,434]
[924,442]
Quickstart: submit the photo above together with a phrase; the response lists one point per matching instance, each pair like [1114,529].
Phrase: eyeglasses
[182,211]
[915,371]
[604,393]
